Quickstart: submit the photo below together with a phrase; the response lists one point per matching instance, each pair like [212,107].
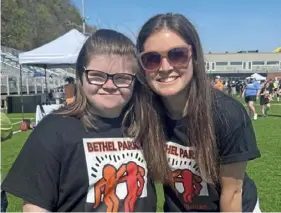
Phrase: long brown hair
[141,119]
[199,122]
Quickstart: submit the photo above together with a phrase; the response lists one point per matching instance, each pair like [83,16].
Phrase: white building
[242,64]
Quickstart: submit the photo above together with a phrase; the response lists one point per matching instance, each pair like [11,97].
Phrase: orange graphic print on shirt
[135,184]
[107,185]
[191,183]
[186,180]
[117,175]
[111,177]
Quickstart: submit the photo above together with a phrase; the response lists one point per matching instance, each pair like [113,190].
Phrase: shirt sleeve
[257,85]
[236,137]
[34,176]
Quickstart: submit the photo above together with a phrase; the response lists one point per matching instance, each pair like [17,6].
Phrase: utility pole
[83,17]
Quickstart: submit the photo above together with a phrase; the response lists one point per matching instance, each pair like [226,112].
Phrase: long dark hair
[199,122]
[141,120]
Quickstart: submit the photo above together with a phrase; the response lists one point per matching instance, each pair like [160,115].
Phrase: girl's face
[108,83]
[167,61]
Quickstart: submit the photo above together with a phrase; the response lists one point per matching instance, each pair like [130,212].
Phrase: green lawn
[16,119]
[266,171]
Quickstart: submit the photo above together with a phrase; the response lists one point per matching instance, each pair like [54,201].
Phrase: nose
[109,84]
[165,65]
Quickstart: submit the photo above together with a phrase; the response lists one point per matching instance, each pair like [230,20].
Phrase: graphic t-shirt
[63,167]
[236,143]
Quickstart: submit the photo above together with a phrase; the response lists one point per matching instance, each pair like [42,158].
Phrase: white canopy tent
[61,52]
[258,77]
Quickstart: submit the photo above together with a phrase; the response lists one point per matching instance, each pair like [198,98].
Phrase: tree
[27,24]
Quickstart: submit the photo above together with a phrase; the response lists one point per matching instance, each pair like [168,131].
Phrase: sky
[223,25]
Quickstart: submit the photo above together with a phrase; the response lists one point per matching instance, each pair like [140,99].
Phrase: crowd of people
[252,91]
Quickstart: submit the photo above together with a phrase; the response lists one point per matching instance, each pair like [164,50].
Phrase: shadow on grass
[274,115]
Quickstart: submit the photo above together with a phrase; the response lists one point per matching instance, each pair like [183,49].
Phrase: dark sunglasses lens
[151,60]
[178,56]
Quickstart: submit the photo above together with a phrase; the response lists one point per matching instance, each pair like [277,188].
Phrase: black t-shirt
[236,143]
[64,167]
[270,87]
[264,97]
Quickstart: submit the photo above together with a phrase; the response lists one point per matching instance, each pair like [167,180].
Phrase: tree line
[27,24]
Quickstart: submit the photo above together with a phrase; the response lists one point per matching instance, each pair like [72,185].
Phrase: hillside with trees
[27,24]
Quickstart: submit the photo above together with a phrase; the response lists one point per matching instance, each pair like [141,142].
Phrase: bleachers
[33,77]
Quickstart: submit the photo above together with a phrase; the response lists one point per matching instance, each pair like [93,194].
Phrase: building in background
[238,66]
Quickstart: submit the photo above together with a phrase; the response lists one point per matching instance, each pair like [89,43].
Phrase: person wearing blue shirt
[250,93]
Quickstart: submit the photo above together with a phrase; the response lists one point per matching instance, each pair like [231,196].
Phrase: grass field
[266,171]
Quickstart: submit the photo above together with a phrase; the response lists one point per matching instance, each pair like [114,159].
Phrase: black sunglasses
[99,78]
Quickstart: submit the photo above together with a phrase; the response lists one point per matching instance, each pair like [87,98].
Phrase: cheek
[90,90]
[150,77]
[126,93]
[187,73]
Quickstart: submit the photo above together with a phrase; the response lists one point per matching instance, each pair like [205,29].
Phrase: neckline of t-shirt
[175,119]
[115,120]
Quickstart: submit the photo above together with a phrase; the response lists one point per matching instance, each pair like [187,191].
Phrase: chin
[112,107]
[168,92]
[108,108]
[110,112]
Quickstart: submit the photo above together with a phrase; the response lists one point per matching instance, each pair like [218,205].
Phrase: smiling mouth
[167,80]
[108,94]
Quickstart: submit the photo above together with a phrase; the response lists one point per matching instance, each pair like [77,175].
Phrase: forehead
[112,63]
[163,40]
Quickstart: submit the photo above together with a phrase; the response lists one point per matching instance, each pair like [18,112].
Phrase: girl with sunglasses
[210,135]
[98,152]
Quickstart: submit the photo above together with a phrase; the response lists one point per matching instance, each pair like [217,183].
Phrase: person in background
[218,83]
[275,89]
[69,90]
[210,137]
[279,91]
[250,94]
[241,86]
[237,87]
[229,85]
[262,83]
[233,88]
[51,96]
[271,87]
[265,98]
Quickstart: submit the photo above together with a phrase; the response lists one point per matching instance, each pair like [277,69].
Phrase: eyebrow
[123,72]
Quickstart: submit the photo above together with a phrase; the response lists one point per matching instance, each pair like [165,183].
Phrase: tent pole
[21,95]
[46,85]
